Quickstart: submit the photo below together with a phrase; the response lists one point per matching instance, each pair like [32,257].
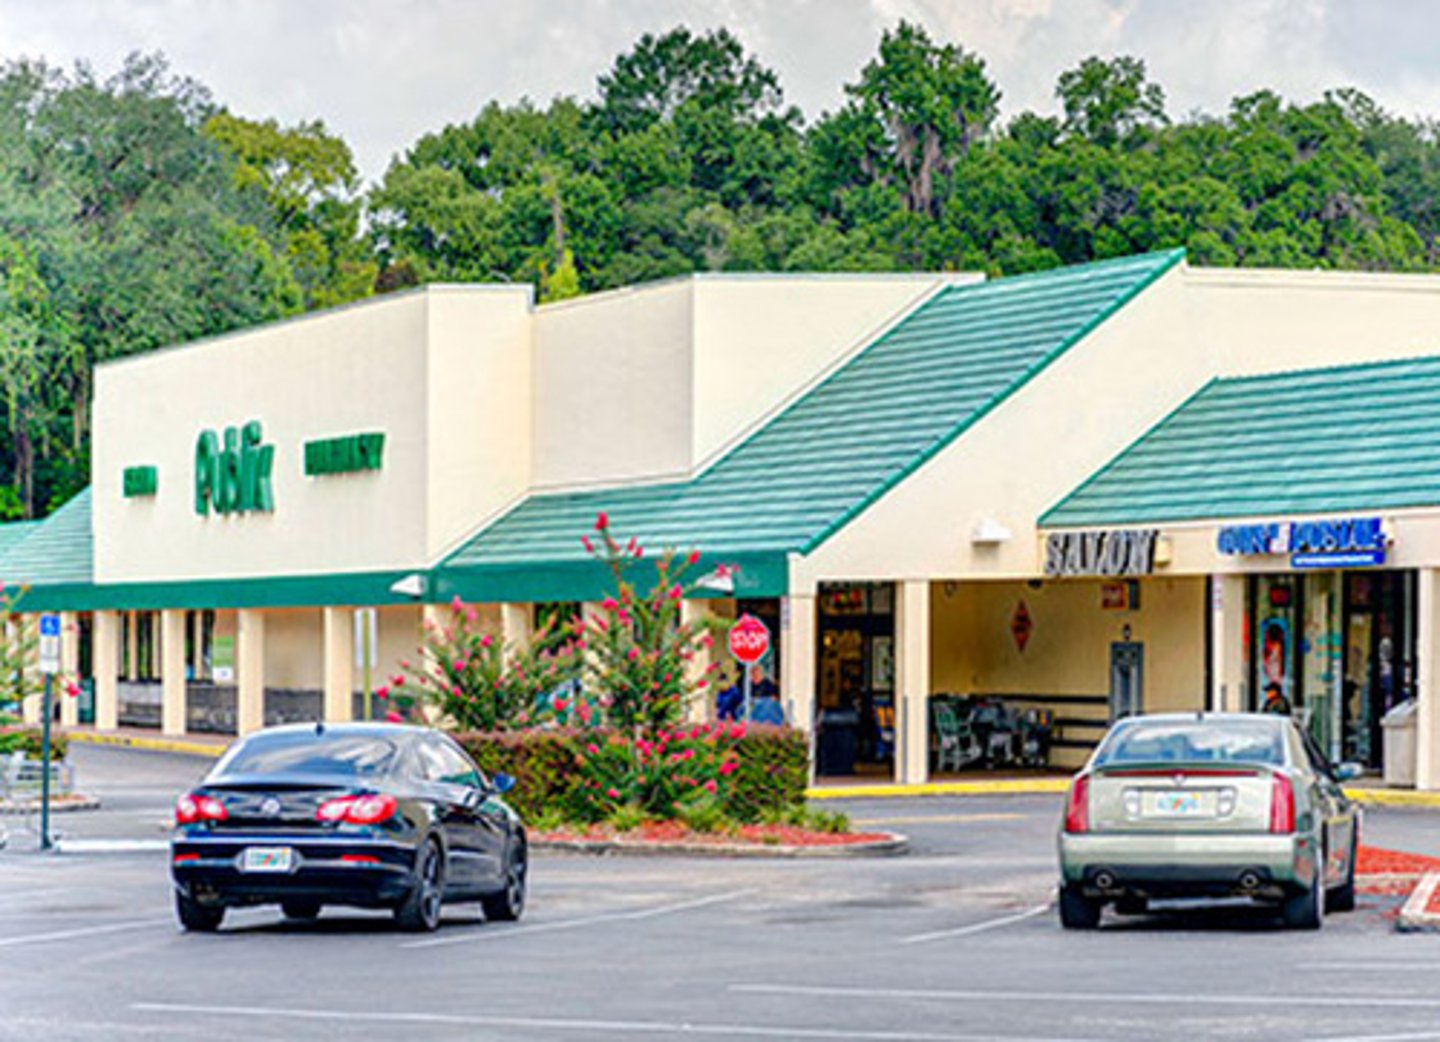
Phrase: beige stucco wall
[612,385]
[649,382]
[1068,652]
[443,372]
[1024,455]
[294,649]
[478,420]
[1267,321]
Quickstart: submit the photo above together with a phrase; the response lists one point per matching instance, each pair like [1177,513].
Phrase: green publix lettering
[233,476]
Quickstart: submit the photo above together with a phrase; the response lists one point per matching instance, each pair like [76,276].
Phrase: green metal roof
[826,457]
[1360,437]
[11,533]
[56,550]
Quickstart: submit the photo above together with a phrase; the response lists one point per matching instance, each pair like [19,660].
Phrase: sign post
[49,666]
[365,652]
[749,643]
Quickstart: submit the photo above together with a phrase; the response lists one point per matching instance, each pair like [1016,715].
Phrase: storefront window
[856,675]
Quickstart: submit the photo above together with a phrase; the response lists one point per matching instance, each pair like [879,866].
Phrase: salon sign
[1110,552]
[1354,542]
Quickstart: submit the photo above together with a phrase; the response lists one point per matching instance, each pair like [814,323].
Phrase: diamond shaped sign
[1021,626]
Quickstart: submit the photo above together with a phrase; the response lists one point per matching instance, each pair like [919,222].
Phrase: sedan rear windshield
[343,756]
[1230,741]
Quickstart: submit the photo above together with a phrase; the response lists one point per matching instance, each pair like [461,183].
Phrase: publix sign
[1328,543]
[232,471]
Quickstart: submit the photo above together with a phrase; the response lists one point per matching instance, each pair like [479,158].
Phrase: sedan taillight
[195,807]
[358,810]
[1077,807]
[1282,804]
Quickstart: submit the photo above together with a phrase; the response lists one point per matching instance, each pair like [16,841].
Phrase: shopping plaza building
[1119,487]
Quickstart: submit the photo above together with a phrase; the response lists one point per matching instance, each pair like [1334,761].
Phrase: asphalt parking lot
[953,942]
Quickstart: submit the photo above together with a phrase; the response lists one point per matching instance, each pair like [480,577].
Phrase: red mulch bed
[664,832]
[1399,871]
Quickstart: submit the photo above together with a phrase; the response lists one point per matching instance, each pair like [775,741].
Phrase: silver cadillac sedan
[1208,805]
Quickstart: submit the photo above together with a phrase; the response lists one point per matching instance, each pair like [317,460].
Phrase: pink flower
[382,692]
[459,665]
[486,641]
[675,592]
[710,786]
[632,546]
[72,689]
[404,663]
[584,711]
[456,604]
[613,793]
[639,553]
[609,604]
[471,614]
[560,705]
[602,521]
[694,557]
[397,681]
[393,717]
[585,542]
[455,690]
[729,767]
[634,653]
[700,683]
[592,749]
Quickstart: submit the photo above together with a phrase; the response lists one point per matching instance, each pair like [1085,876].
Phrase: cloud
[381,73]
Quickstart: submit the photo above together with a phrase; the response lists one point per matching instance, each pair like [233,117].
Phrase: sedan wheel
[1342,898]
[509,904]
[198,918]
[1306,909]
[1078,912]
[420,911]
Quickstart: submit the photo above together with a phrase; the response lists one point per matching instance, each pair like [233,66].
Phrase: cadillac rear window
[308,753]
[1239,741]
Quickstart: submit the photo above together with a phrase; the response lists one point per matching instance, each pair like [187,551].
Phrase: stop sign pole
[749,642]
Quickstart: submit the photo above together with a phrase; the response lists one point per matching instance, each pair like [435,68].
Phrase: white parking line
[111,846]
[937,819]
[1092,998]
[85,931]
[571,924]
[974,928]
[1377,966]
[621,1027]
[1409,1036]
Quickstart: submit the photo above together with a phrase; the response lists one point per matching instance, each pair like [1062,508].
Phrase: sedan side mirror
[502,783]
[1348,771]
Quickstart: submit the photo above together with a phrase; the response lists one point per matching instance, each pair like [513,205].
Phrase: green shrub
[557,771]
[30,741]
[773,773]
[626,818]
[542,762]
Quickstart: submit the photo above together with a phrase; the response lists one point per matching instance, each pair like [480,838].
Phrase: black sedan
[366,815]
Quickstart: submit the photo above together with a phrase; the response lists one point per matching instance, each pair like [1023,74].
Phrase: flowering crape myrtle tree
[479,682]
[641,647]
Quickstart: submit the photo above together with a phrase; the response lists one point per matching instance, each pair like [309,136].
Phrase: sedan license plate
[1179,804]
[267,859]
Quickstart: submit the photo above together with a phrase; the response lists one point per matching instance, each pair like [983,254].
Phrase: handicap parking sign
[49,643]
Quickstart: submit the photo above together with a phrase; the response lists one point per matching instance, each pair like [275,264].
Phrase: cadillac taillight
[195,807]
[1077,807]
[1282,804]
[358,810]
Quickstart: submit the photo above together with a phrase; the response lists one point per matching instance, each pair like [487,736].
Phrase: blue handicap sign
[49,625]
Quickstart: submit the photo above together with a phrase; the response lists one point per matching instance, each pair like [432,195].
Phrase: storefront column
[702,706]
[1427,685]
[1227,644]
[339,665]
[69,668]
[912,682]
[172,671]
[797,662]
[516,625]
[433,620]
[196,627]
[105,657]
[250,671]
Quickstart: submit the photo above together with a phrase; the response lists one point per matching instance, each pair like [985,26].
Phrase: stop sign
[749,639]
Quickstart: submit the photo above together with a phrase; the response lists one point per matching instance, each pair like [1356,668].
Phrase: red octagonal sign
[749,639]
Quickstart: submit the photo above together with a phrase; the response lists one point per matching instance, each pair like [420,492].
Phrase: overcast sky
[382,72]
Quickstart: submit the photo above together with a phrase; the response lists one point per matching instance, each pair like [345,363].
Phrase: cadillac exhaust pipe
[1249,880]
[1104,880]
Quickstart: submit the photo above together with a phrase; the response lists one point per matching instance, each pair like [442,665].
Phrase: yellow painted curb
[998,787]
[163,745]
[1394,797]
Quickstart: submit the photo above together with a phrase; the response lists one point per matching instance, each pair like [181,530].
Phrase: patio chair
[956,745]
